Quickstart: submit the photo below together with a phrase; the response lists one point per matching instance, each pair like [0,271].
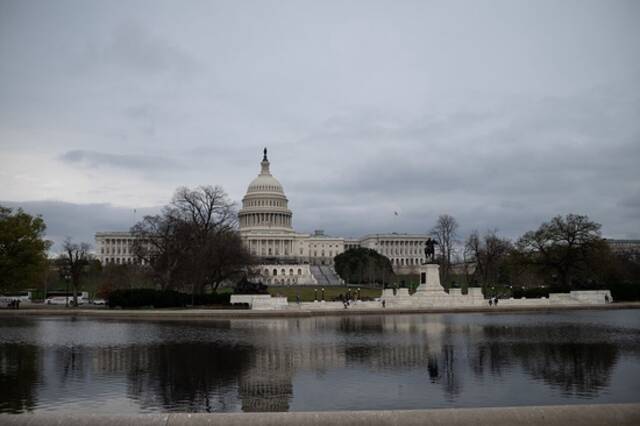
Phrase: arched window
[283,272]
[275,272]
[290,271]
[299,271]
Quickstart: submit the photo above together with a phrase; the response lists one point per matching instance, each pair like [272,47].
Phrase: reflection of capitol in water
[283,364]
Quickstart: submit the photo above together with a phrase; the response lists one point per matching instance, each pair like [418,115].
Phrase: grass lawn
[307,293]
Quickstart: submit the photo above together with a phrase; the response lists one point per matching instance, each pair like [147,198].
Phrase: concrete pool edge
[588,414]
[204,314]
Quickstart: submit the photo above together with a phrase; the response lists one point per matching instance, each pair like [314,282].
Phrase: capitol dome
[265,207]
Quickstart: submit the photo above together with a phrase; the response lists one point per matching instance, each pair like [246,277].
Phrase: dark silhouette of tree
[363,266]
[562,247]
[194,244]
[23,250]
[489,253]
[445,234]
[73,263]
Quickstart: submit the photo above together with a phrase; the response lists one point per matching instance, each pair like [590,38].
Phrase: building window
[275,272]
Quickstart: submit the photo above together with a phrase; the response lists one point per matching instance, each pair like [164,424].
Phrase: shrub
[142,297]
[247,287]
[625,291]
[211,299]
[531,293]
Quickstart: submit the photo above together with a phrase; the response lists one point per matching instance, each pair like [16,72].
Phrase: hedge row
[625,292]
[621,292]
[530,293]
[147,297]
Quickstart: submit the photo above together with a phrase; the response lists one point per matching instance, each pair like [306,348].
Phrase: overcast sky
[500,113]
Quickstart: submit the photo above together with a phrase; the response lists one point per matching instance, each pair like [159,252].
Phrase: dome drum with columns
[266,221]
[265,207]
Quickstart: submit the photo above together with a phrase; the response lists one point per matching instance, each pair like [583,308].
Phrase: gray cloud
[95,159]
[80,221]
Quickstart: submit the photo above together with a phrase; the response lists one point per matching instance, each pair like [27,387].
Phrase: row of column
[271,247]
[274,219]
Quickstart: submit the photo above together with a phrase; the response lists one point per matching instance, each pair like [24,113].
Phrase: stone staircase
[332,275]
[325,275]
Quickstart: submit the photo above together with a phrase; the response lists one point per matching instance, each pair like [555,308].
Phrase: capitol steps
[331,275]
[325,275]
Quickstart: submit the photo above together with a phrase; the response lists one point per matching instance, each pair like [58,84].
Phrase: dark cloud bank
[80,221]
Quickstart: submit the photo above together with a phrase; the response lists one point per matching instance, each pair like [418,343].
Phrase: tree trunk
[75,292]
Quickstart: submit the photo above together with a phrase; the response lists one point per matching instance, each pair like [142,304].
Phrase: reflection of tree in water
[185,376]
[578,369]
[364,324]
[568,357]
[491,356]
[19,374]
[71,362]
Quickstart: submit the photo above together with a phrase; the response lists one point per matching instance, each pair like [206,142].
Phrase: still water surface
[339,363]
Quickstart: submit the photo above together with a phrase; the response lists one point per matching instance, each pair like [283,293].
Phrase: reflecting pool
[324,363]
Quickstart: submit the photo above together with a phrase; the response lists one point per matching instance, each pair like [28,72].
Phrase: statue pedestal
[430,281]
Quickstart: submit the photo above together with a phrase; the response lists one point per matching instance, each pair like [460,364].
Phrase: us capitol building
[287,256]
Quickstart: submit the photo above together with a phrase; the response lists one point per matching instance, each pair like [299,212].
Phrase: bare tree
[207,208]
[158,244]
[563,245]
[445,233]
[488,253]
[73,262]
[194,243]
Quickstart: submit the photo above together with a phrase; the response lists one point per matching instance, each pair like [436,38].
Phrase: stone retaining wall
[584,415]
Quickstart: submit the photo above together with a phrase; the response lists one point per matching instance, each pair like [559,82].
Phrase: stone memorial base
[431,294]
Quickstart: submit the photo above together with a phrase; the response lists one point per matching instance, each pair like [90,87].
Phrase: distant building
[630,247]
[288,257]
[115,247]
